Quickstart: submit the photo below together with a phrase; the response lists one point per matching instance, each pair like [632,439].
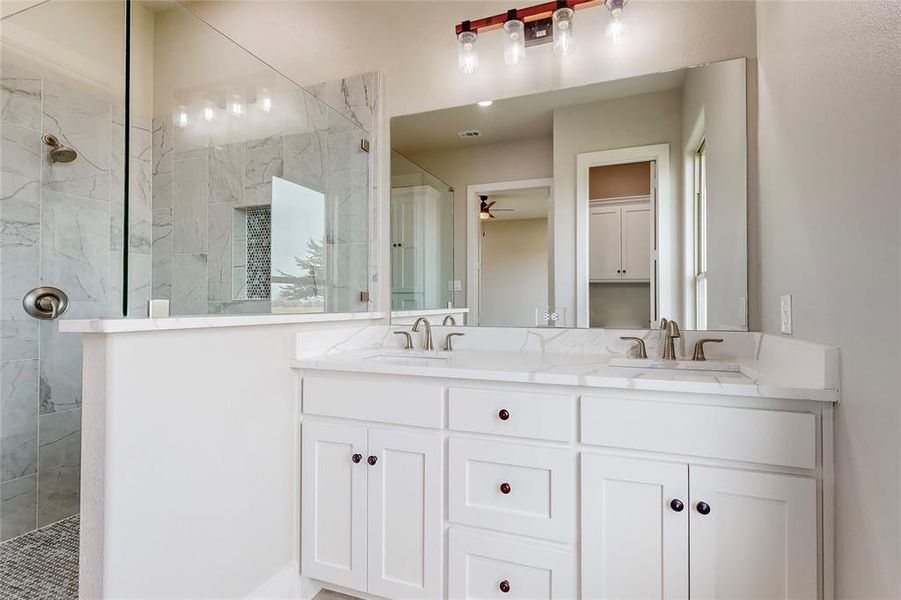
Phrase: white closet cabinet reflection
[415,247]
[655,529]
[371,511]
[619,241]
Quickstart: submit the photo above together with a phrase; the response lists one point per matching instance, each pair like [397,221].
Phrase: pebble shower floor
[41,564]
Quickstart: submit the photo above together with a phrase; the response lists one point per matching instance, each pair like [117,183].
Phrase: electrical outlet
[454,285]
[743,311]
[785,313]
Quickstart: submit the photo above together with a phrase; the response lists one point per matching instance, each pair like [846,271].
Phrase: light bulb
[208,112]
[616,33]
[180,118]
[235,105]
[485,103]
[264,100]
[563,31]
[467,59]
[514,40]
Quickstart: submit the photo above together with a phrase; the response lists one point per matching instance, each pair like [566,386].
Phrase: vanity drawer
[537,416]
[744,434]
[514,488]
[374,400]
[486,566]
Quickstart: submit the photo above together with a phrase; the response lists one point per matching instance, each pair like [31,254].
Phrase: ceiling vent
[469,133]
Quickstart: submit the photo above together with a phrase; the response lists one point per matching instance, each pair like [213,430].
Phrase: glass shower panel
[62,124]
[240,158]
[422,238]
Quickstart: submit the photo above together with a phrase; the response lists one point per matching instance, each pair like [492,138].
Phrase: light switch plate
[454,285]
[785,313]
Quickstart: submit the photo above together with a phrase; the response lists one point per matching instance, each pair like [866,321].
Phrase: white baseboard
[284,585]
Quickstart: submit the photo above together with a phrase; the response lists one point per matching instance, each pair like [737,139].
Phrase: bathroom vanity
[542,464]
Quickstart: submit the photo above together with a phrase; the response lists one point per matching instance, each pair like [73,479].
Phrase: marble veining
[568,357]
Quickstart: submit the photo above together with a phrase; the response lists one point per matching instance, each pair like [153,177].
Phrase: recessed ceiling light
[486,103]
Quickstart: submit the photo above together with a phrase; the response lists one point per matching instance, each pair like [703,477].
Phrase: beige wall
[483,163]
[611,124]
[830,158]
[714,109]
[514,272]
[620,304]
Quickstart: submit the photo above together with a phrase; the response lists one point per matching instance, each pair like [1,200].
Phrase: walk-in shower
[221,186]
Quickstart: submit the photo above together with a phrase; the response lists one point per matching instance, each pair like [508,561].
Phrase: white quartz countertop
[567,368]
[130,325]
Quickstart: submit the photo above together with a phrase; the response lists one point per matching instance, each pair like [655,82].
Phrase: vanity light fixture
[616,31]
[564,42]
[235,105]
[530,26]
[208,112]
[264,100]
[180,117]
[485,103]
[514,39]
[467,57]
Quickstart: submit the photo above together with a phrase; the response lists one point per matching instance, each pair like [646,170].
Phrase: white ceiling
[527,204]
[523,117]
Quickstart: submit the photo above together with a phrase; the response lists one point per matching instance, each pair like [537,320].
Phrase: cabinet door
[758,538]
[636,242]
[604,243]
[634,538]
[405,514]
[333,510]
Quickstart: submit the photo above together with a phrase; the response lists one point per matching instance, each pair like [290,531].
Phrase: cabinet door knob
[503,414]
[676,505]
[505,488]
[504,586]
[356,458]
[703,508]
[372,460]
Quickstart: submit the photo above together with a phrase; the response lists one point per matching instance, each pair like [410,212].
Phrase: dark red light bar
[531,13]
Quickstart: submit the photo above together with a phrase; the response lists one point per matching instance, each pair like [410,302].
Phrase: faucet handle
[408,339]
[699,348]
[640,350]
[449,340]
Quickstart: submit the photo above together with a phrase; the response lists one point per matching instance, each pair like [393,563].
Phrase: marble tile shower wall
[61,226]
[202,183]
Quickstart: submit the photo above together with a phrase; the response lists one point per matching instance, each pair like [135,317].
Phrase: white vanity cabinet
[372,509]
[744,534]
[560,492]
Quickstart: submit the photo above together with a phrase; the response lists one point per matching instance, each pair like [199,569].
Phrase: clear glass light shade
[467,59]
[563,31]
[264,100]
[235,105]
[514,42]
[208,112]
[180,116]
[616,33]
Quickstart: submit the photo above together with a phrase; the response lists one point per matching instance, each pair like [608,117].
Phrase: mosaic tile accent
[42,563]
[259,247]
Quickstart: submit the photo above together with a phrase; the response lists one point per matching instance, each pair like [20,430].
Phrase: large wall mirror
[609,205]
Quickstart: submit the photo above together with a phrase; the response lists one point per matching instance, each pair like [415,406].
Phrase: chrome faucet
[426,334]
[449,320]
[671,329]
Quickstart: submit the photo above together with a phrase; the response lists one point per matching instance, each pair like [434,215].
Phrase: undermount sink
[677,365]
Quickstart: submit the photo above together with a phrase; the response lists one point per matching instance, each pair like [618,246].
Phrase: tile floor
[42,564]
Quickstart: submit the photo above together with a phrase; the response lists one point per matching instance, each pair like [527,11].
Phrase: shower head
[58,152]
